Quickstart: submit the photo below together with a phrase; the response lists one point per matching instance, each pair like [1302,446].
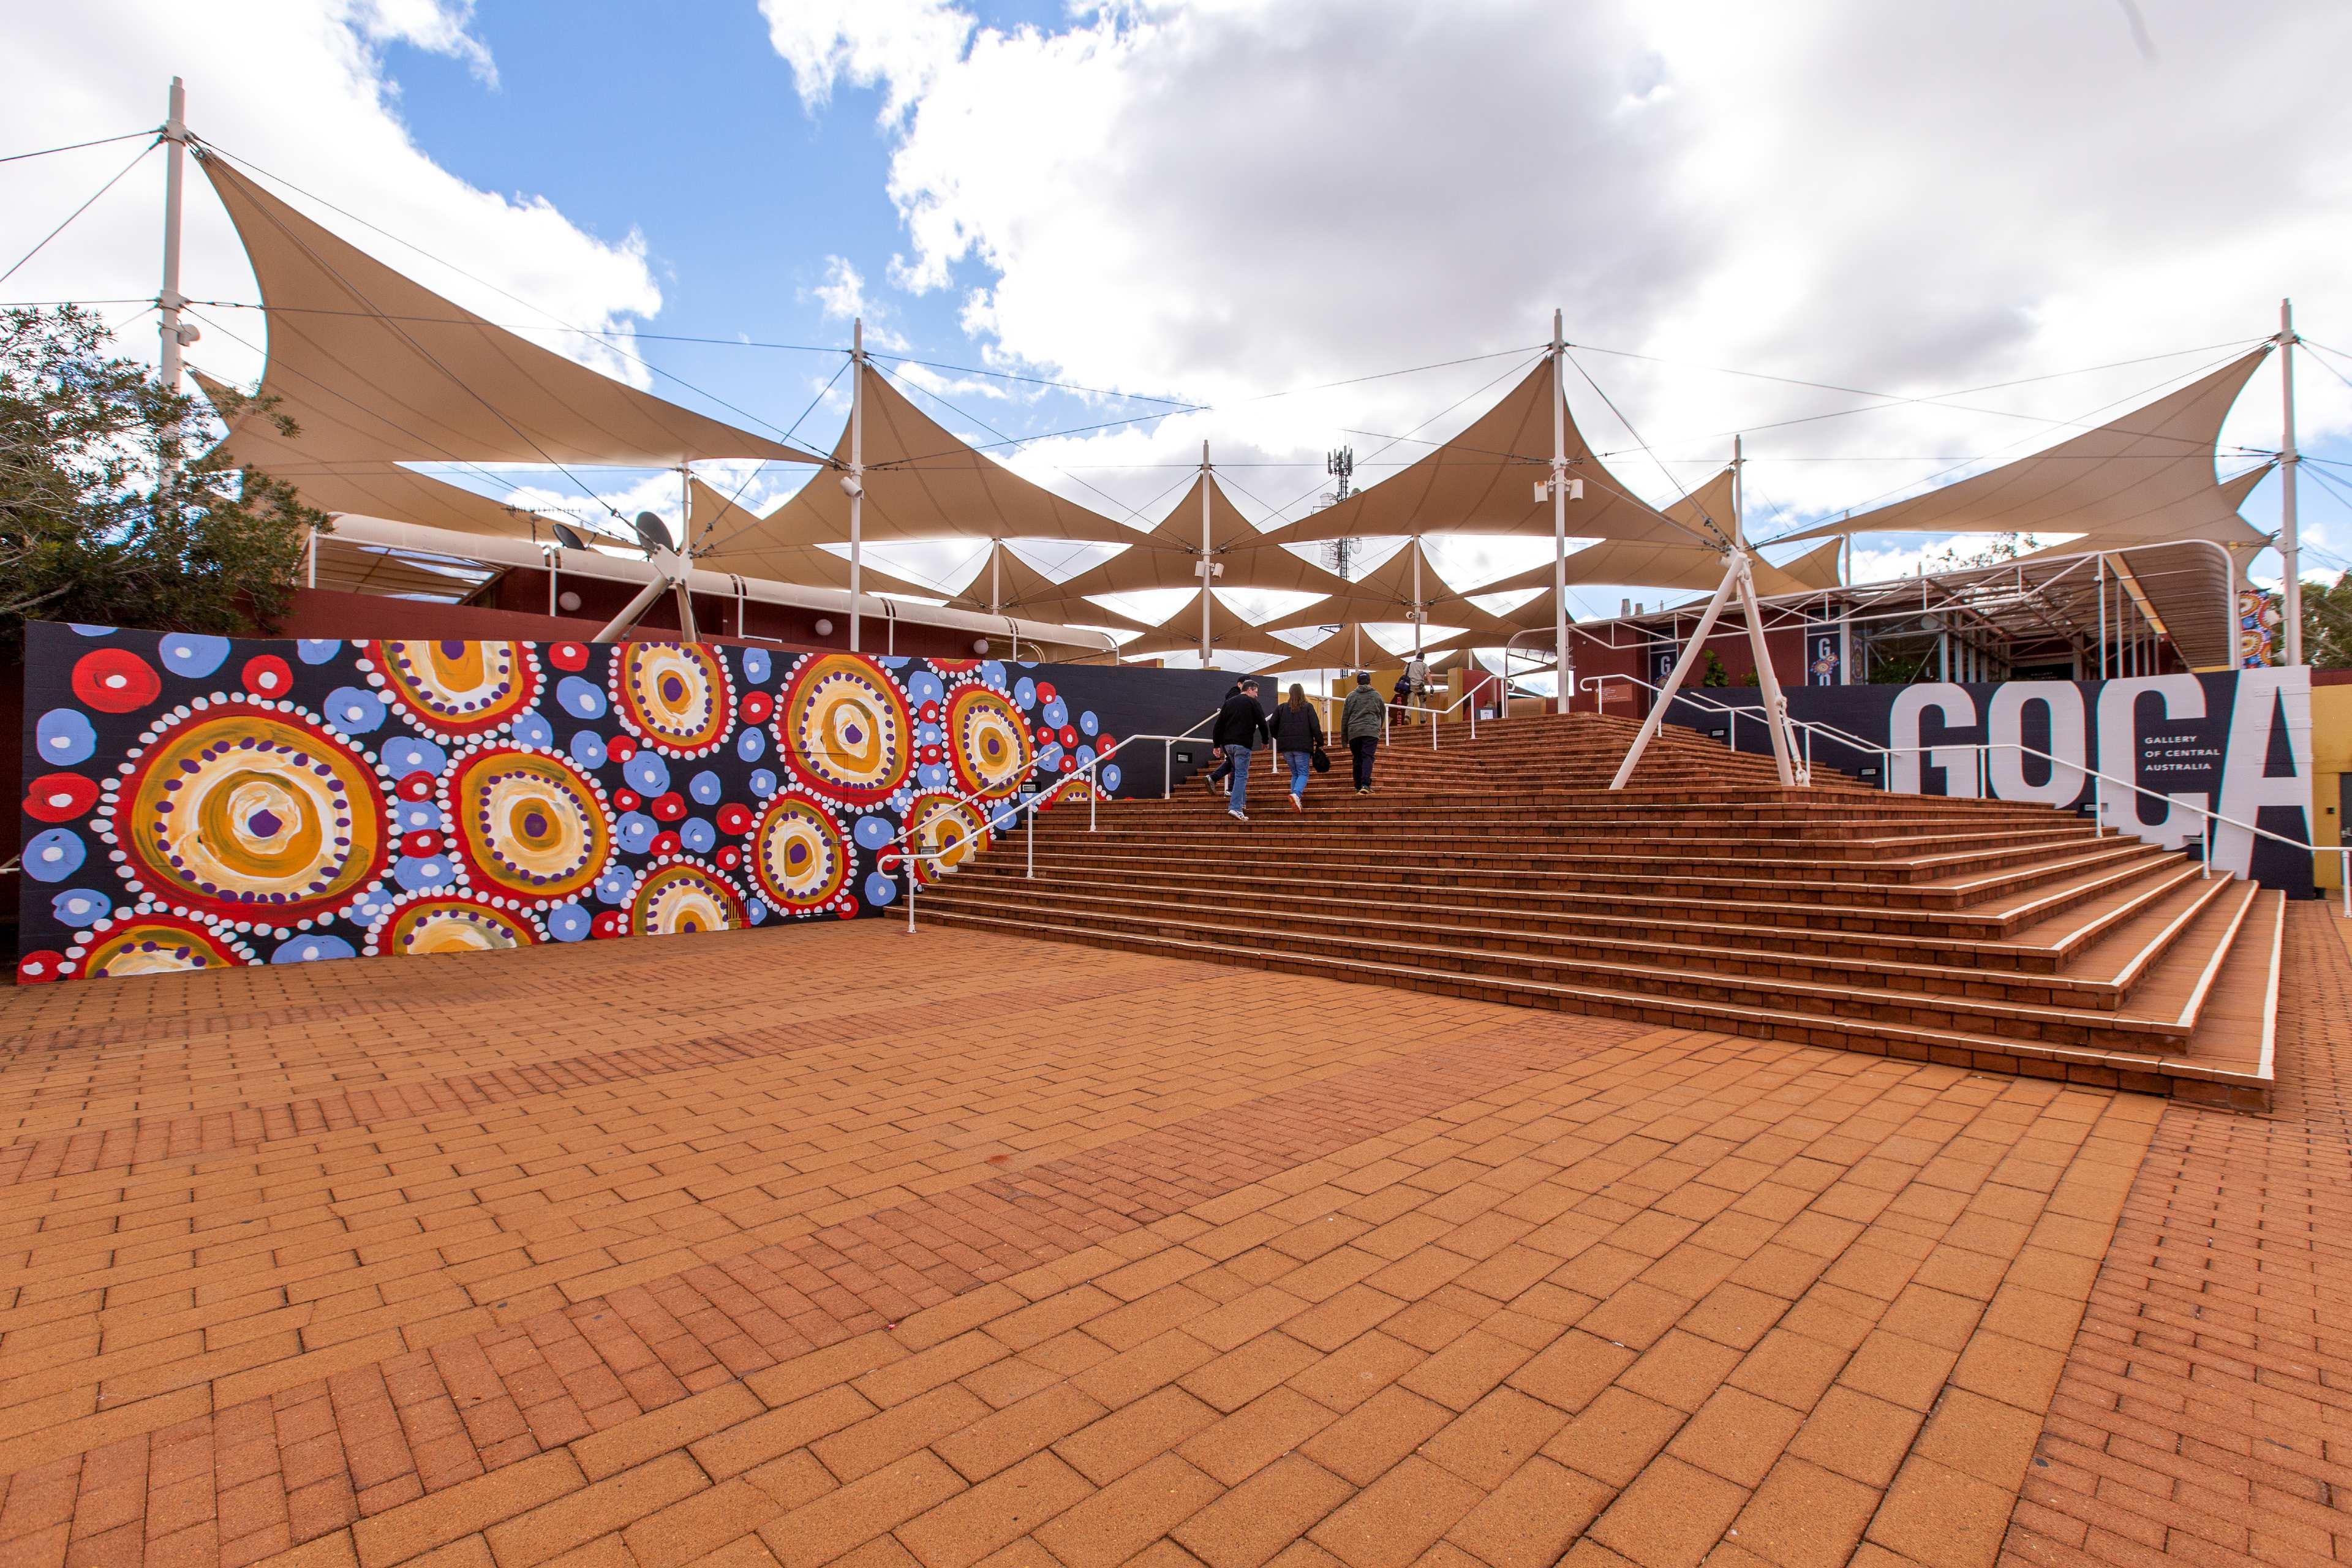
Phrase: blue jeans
[1299,762]
[1238,759]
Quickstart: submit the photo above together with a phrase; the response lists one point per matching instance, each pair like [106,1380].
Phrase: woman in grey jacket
[1362,720]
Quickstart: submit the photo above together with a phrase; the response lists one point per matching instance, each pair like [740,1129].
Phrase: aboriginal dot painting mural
[196,802]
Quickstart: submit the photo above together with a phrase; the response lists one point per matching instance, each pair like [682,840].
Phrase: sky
[1835,212]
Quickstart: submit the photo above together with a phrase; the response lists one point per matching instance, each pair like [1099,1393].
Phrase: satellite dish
[569,537]
[652,532]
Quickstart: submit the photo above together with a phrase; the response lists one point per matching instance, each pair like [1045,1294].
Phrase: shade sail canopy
[2143,479]
[1816,568]
[1350,647]
[2232,493]
[370,487]
[1168,555]
[1482,482]
[376,367]
[1387,593]
[1641,563]
[1228,633]
[1007,584]
[806,565]
[921,482]
[346,567]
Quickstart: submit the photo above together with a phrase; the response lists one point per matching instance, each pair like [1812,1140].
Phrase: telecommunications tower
[1339,554]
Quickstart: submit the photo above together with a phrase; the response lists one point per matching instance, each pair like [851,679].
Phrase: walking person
[1359,726]
[1416,671]
[1298,735]
[1220,776]
[1241,725]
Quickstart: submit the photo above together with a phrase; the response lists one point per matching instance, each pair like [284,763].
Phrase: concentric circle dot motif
[458,689]
[798,861]
[987,742]
[676,696]
[943,826]
[250,814]
[450,924]
[680,898]
[844,728]
[529,824]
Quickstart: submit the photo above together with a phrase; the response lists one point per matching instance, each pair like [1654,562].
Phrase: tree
[105,519]
[2327,624]
[2000,547]
[1713,674]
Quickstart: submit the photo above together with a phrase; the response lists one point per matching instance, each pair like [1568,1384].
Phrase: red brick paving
[823,1245]
[2206,1413]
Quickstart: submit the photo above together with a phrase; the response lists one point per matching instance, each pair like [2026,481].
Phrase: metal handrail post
[1030,837]
[1167,770]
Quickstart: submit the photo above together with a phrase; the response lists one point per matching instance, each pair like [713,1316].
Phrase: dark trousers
[1222,771]
[1363,747]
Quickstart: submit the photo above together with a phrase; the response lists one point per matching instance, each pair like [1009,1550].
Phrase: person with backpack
[1298,734]
[1241,724]
[1360,721]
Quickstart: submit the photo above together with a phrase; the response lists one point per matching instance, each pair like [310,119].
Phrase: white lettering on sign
[2266,697]
[2122,756]
[1958,709]
[2005,723]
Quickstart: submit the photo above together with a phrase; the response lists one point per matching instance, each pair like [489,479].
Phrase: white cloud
[304,92]
[1222,199]
[899,45]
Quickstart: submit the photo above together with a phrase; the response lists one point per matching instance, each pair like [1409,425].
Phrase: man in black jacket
[1241,725]
[1220,776]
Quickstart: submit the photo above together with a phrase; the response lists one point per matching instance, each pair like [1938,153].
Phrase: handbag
[1322,761]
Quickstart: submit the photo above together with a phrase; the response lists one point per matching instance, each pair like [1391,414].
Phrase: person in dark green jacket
[1361,720]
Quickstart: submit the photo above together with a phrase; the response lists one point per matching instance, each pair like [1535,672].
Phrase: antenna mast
[1339,554]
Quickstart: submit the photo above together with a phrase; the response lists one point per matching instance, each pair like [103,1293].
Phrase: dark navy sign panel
[2238,744]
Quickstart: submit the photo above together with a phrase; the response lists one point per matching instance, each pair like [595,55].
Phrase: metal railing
[1983,750]
[1001,811]
[1434,714]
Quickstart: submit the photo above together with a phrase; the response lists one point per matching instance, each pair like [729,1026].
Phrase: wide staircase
[1980,934]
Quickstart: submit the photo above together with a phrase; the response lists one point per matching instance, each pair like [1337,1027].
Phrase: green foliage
[2327,624]
[105,519]
[2000,547]
[1714,674]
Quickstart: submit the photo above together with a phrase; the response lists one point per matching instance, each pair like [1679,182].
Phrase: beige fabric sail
[1007,584]
[368,487]
[376,367]
[921,482]
[2145,478]
[806,565]
[1228,633]
[1482,482]
[2230,495]
[1352,646]
[1815,569]
[1167,556]
[1638,563]
[1386,594]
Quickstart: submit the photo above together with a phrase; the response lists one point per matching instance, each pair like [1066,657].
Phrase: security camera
[850,486]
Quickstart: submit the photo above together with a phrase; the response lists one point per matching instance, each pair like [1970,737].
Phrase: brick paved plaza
[825,1245]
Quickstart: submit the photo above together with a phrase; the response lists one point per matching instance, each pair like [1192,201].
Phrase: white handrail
[1983,750]
[907,856]
[1434,715]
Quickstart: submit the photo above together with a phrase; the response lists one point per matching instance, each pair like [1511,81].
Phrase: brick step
[2102,981]
[2040,948]
[2089,1015]
[2159,1072]
[1503,870]
[1691,799]
[1206,834]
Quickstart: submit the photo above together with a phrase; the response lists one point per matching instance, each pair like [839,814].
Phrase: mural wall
[198,802]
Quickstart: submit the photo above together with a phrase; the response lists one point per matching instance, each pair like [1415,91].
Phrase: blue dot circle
[312,948]
[317,651]
[646,774]
[636,832]
[755,665]
[418,873]
[705,787]
[881,889]
[531,730]
[615,885]
[1110,776]
[54,854]
[581,699]
[1057,713]
[763,782]
[1088,724]
[408,755]
[698,835]
[416,815]
[78,907]
[874,832]
[354,709]
[588,749]
[751,744]
[568,922]
[64,735]
[192,655]
[1024,692]
[924,687]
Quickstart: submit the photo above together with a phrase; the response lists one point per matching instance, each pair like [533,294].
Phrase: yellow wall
[2331,759]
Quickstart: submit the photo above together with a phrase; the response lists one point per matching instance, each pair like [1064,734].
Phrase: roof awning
[921,482]
[1167,556]
[1647,563]
[371,486]
[1007,584]
[1228,633]
[1350,647]
[1393,591]
[1481,481]
[2143,479]
[375,367]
